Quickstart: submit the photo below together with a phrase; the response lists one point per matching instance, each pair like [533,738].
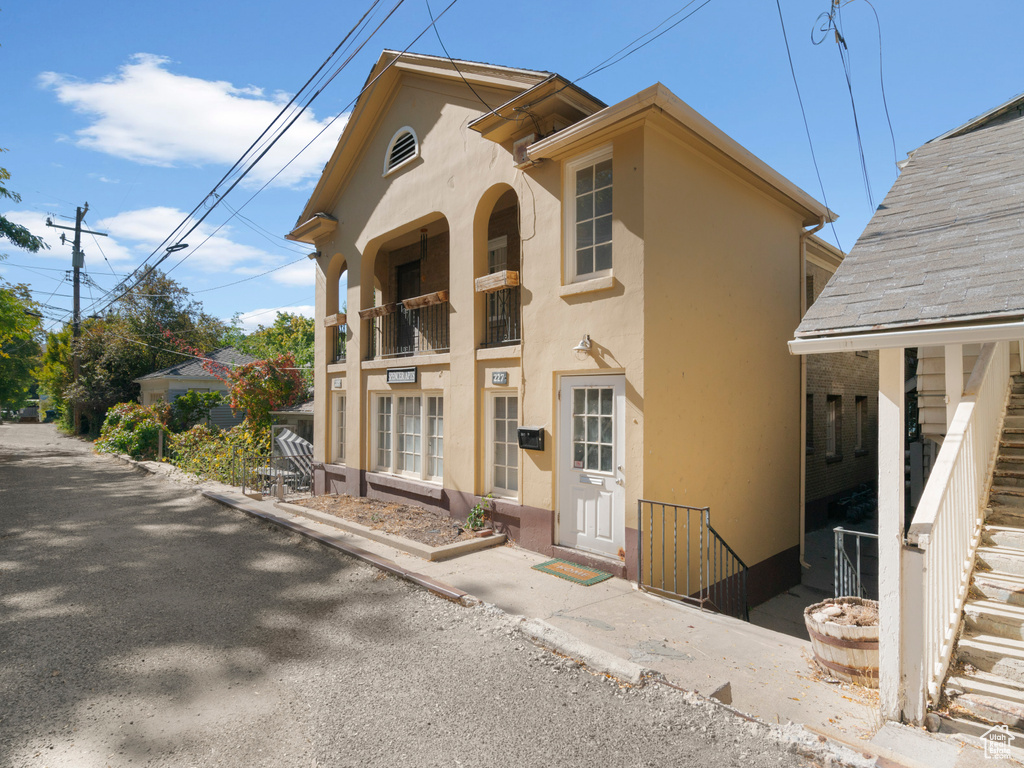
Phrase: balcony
[339,343]
[413,326]
[502,324]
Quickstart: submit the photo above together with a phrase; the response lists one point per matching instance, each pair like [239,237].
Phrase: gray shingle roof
[946,246]
[193,369]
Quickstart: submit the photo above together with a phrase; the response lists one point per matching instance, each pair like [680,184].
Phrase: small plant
[477,515]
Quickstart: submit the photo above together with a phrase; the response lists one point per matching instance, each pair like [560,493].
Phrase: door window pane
[593,428]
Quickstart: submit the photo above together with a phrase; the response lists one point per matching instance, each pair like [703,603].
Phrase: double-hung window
[409,435]
[504,459]
[588,209]
[339,429]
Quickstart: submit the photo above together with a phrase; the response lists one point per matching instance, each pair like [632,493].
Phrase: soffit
[555,97]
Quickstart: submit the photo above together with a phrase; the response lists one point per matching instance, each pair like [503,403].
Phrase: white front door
[591,457]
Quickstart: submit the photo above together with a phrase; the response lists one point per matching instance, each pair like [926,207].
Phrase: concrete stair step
[1013,421]
[1001,535]
[1001,514]
[1007,496]
[993,617]
[1003,587]
[1000,657]
[988,699]
[1000,559]
[1011,446]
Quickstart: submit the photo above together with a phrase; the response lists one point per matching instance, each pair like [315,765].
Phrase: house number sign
[336,383]
[402,375]
[499,378]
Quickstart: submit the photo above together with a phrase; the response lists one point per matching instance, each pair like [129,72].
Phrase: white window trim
[502,493]
[337,446]
[374,436]
[391,145]
[569,214]
[492,246]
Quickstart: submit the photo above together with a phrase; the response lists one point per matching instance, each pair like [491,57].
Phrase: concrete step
[1004,535]
[1001,514]
[1007,495]
[1003,587]
[1012,420]
[991,700]
[1000,559]
[994,655]
[1011,445]
[1009,477]
[992,617]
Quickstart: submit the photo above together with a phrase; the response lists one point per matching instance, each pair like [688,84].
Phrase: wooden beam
[506,278]
[333,320]
[372,312]
[439,297]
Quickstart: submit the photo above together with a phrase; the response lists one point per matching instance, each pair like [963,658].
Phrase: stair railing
[946,528]
[848,576]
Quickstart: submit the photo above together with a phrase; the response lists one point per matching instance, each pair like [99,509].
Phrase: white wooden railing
[946,527]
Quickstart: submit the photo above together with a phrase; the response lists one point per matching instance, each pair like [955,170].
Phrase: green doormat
[580,574]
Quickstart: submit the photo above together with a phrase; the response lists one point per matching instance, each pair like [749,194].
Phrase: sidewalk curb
[431,585]
[553,639]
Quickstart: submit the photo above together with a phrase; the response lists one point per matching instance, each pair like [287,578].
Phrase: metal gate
[682,557]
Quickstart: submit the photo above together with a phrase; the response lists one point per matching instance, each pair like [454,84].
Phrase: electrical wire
[253,277]
[881,83]
[803,113]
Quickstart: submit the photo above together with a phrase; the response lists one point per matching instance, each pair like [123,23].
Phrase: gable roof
[945,249]
[193,368]
[381,83]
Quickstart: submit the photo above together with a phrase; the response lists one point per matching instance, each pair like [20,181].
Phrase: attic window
[403,149]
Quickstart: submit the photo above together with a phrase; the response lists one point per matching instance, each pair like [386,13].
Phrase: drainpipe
[803,389]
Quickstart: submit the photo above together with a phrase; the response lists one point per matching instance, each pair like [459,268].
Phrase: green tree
[19,344]
[16,233]
[261,387]
[289,334]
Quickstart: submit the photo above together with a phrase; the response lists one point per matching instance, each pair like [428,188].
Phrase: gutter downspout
[803,390]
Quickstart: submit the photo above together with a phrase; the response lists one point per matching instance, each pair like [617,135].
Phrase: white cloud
[301,274]
[250,320]
[215,250]
[149,115]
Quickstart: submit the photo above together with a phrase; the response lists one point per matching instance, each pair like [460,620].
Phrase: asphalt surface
[141,624]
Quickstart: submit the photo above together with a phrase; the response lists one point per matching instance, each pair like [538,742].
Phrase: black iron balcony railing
[340,334]
[410,327]
[502,321]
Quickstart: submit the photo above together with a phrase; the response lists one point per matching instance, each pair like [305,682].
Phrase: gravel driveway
[141,624]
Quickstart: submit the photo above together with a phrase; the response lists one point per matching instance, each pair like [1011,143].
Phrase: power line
[803,114]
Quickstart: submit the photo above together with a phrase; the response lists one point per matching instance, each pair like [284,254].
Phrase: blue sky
[140,108]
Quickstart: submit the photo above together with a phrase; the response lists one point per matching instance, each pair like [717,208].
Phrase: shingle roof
[193,369]
[946,246]
[305,407]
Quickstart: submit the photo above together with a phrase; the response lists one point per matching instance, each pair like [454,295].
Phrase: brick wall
[434,269]
[506,222]
[847,375]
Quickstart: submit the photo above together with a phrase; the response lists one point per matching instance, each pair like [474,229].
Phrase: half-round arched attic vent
[403,148]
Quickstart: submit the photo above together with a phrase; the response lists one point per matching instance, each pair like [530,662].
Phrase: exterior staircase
[986,681]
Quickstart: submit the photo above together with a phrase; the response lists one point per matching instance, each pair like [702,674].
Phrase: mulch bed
[410,522]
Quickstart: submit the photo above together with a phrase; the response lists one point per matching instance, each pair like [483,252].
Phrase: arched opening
[337,289]
[410,312]
[498,273]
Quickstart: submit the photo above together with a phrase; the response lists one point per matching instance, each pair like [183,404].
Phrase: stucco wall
[722,391]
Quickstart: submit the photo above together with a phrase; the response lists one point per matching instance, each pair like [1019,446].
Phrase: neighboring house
[298,418]
[169,383]
[940,270]
[841,406]
[572,306]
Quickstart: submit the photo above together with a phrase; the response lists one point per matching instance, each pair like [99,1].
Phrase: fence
[848,575]
[687,560]
[503,324]
[407,331]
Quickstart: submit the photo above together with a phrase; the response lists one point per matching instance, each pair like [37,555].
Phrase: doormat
[580,574]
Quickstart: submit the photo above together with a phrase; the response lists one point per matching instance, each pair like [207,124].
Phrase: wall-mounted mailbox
[531,438]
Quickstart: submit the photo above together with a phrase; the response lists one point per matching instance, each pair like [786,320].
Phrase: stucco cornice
[695,130]
[317,226]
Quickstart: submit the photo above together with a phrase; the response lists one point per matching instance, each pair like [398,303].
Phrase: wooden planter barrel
[844,652]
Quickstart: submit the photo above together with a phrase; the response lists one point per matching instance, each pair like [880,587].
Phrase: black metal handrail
[502,321]
[410,331]
[713,575]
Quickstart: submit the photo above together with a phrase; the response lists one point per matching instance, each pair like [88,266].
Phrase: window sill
[834,458]
[508,352]
[440,358]
[587,286]
[405,485]
[861,452]
[336,367]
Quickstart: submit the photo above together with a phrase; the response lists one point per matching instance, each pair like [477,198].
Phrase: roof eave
[658,96]
[907,337]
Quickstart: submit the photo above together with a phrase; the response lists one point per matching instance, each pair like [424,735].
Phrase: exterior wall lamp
[582,349]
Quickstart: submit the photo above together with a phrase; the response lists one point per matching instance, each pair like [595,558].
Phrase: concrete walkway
[758,671]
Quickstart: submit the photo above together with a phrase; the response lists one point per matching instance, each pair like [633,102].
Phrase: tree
[16,233]
[19,344]
[290,334]
[261,387]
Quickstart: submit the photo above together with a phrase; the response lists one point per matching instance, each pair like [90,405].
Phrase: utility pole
[77,263]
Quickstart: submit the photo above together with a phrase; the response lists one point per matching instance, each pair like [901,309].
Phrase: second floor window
[588,203]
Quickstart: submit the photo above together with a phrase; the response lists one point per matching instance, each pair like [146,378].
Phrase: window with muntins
[505,448]
[409,435]
[589,204]
[402,149]
[592,428]
[834,427]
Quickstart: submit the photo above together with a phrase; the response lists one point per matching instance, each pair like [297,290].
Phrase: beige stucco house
[623,279]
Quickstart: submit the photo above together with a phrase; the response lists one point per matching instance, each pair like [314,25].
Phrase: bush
[208,452]
[132,429]
[189,409]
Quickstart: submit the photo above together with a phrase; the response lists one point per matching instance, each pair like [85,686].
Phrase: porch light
[583,348]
